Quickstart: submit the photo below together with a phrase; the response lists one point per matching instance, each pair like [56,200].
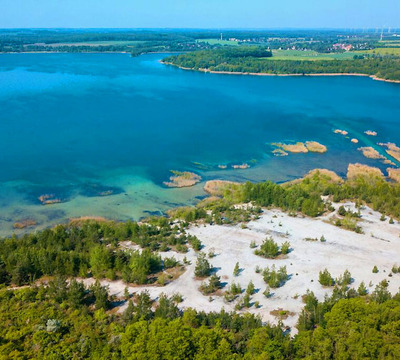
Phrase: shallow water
[81,125]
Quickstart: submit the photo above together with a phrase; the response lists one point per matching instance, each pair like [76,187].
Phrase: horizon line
[203,28]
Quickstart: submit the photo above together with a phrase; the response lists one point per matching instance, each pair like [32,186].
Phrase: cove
[102,131]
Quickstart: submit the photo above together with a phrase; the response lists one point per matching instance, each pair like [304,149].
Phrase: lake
[101,132]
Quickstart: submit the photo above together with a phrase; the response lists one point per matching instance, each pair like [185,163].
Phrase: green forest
[67,321]
[234,59]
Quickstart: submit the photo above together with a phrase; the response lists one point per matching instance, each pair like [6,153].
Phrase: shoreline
[88,52]
[373,77]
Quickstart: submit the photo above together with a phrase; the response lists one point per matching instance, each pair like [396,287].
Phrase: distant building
[346,47]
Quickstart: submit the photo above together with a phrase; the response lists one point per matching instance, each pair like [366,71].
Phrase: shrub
[246,301]
[275,278]
[250,288]
[325,278]
[213,285]
[342,211]
[381,293]
[162,279]
[269,248]
[267,292]
[126,293]
[195,242]
[236,270]
[253,244]
[375,269]
[170,262]
[235,289]
[203,267]
[181,248]
[229,297]
[232,293]
[141,265]
[285,248]
[177,298]
[345,279]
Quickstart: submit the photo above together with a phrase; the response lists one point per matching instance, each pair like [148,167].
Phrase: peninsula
[256,60]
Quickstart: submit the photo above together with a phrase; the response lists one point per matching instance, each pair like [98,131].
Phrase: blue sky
[200,13]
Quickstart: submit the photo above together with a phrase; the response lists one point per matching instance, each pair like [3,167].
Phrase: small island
[339,131]
[392,149]
[182,179]
[370,153]
[314,146]
[299,147]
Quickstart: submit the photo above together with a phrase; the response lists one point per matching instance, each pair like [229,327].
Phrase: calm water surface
[80,125]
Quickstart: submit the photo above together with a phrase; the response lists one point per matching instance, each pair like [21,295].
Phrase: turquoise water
[78,125]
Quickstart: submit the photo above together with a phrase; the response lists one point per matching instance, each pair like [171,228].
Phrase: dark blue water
[76,124]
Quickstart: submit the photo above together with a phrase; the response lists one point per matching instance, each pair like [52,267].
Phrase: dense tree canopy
[64,321]
[237,60]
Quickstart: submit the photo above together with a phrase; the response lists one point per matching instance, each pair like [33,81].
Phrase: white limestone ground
[343,249]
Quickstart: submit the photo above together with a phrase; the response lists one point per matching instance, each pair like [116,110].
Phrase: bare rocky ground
[343,249]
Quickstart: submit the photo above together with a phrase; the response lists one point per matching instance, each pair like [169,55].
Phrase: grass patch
[309,55]
[384,51]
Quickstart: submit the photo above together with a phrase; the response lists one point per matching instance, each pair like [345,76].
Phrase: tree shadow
[214,270]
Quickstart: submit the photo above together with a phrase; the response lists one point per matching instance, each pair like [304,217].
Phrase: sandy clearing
[379,245]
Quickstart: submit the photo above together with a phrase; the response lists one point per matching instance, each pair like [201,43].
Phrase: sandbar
[315,146]
[392,149]
[370,153]
[217,187]
[356,170]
